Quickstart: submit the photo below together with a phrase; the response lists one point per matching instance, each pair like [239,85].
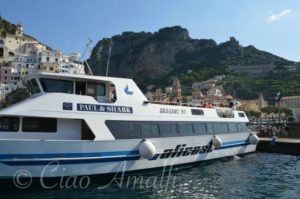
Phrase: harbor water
[258,175]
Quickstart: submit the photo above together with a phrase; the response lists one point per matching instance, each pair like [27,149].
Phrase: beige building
[16,44]
[255,105]
[176,90]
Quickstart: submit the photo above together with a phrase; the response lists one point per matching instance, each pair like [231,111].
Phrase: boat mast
[109,51]
[86,48]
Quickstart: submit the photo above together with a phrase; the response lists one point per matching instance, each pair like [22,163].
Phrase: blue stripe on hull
[68,155]
[64,162]
[225,145]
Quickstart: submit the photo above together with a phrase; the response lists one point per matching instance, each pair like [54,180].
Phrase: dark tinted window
[123,129]
[239,127]
[244,127]
[30,88]
[241,114]
[55,85]
[95,89]
[217,128]
[220,128]
[197,112]
[35,86]
[36,124]
[209,128]
[168,129]
[185,128]
[149,130]
[80,88]
[233,127]
[146,129]
[199,128]
[133,130]
[9,124]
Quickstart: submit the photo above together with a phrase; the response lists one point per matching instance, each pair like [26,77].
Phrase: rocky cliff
[152,58]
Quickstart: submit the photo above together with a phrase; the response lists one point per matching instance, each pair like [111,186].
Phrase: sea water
[258,175]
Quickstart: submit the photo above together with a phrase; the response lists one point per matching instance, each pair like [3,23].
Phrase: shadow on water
[259,175]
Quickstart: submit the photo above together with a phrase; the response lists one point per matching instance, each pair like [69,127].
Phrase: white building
[252,69]
[293,103]
[291,68]
[215,92]
[204,85]
[24,55]
[16,44]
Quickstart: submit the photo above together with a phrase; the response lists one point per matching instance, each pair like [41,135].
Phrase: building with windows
[16,44]
[22,55]
[291,68]
[10,80]
[252,69]
[291,102]
[214,92]
[9,76]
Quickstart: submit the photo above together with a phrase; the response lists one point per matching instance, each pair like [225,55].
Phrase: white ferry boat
[74,125]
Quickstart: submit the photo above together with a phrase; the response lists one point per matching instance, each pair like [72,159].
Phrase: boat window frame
[42,128]
[55,79]
[30,87]
[11,124]
[36,88]
[122,129]
[94,83]
[198,112]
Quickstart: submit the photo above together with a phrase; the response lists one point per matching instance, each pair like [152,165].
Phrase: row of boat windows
[143,129]
[65,86]
[29,124]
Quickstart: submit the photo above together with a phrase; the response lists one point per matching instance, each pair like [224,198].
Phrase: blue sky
[270,25]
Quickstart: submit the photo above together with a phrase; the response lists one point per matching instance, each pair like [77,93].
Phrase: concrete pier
[281,145]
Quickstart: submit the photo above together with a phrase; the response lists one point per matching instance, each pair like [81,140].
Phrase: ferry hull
[77,158]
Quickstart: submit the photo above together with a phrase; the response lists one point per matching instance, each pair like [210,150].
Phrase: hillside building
[21,55]
[176,94]
[252,69]
[255,105]
[293,103]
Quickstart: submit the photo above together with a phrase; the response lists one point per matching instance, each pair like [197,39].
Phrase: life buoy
[253,139]
[147,150]
[216,142]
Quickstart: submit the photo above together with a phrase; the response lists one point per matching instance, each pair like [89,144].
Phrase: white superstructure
[91,125]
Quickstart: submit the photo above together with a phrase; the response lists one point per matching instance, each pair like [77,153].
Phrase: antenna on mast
[109,51]
[88,46]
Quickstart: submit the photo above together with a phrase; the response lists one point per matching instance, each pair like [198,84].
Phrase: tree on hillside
[252,113]
[277,110]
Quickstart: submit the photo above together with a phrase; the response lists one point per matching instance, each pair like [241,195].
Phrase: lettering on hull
[181,150]
[104,108]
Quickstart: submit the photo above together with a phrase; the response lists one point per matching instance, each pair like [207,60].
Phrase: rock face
[152,58]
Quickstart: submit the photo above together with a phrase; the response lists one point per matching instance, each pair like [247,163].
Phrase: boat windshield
[57,85]
[33,87]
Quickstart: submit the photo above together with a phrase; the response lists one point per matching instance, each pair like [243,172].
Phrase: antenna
[87,47]
[109,51]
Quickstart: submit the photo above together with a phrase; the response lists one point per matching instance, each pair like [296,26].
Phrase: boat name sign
[104,108]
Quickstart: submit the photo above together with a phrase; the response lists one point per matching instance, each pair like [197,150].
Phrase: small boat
[75,125]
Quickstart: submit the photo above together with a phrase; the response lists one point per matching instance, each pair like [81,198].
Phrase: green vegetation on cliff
[154,58]
[246,87]
[6,27]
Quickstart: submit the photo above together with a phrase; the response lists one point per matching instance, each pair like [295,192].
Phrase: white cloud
[278,16]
